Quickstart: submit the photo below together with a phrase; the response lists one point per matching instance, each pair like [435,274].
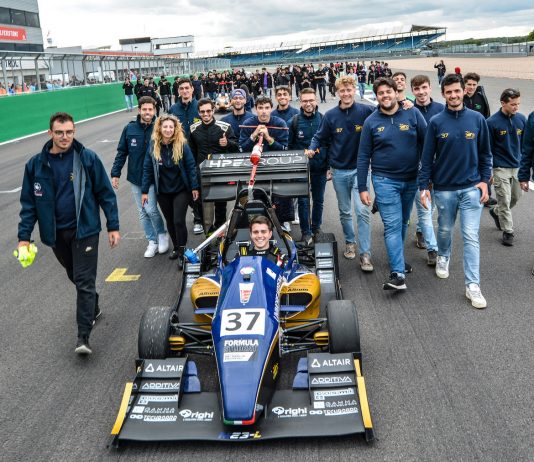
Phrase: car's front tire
[154,329]
[343,328]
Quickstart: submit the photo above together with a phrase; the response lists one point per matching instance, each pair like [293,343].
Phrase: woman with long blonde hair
[171,167]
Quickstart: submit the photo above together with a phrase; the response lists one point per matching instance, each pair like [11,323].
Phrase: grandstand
[365,44]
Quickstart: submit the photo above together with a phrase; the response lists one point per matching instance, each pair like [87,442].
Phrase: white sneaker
[286,226]
[472,292]
[151,250]
[198,229]
[442,267]
[163,243]
[296,221]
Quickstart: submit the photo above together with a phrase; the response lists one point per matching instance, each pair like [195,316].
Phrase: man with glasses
[506,128]
[63,189]
[302,127]
[210,136]
[238,114]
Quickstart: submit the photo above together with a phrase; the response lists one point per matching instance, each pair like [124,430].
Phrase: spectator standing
[170,169]
[526,169]
[132,147]
[128,88]
[442,69]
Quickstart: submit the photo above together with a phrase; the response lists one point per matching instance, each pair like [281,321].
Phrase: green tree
[531,35]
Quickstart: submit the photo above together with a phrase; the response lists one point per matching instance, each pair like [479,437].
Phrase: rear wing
[279,173]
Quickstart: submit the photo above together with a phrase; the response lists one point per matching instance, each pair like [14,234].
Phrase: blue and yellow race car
[249,312]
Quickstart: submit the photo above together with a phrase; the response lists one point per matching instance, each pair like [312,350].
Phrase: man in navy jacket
[456,163]
[132,147]
[506,128]
[425,238]
[341,129]
[392,141]
[63,189]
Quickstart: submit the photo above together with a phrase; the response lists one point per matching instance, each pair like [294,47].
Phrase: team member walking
[392,141]
[133,144]
[506,128]
[526,169]
[459,181]
[63,189]
[302,127]
[170,168]
[341,128]
[425,238]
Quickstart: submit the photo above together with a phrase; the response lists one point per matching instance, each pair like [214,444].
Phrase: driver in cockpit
[261,232]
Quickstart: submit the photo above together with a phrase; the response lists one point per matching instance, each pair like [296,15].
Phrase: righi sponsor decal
[195,416]
[164,368]
[322,394]
[145,399]
[287,412]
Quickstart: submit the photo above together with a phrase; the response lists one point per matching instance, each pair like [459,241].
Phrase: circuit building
[20,26]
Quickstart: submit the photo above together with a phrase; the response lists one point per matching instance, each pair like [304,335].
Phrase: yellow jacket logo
[404,127]
[380,129]
[358,128]
[503,132]
[443,135]
[519,132]
[339,130]
[469,135]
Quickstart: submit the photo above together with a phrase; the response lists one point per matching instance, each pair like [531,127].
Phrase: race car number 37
[250,321]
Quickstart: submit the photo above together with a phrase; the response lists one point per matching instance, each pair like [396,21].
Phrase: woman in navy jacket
[170,166]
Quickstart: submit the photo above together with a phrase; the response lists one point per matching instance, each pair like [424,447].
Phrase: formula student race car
[248,313]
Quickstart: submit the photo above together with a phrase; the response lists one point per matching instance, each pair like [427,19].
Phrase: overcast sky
[219,23]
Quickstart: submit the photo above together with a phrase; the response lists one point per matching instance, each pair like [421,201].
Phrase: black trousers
[174,209]
[79,257]
[322,91]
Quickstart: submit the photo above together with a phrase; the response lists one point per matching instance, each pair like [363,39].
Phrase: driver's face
[260,235]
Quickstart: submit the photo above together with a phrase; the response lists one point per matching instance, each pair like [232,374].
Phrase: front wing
[328,399]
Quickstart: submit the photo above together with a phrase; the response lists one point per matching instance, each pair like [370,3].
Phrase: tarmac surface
[445,381]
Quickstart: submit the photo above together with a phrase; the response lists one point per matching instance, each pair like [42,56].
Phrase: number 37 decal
[249,321]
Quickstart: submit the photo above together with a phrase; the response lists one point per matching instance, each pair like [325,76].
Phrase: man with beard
[238,114]
[210,136]
[392,141]
[460,183]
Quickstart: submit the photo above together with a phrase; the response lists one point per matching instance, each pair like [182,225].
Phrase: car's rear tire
[154,329]
[343,328]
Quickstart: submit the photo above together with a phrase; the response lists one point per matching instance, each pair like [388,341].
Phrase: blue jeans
[395,201]
[149,215]
[361,87]
[317,186]
[211,95]
[346,186]
[467,201]
[425,225]
[129,101]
